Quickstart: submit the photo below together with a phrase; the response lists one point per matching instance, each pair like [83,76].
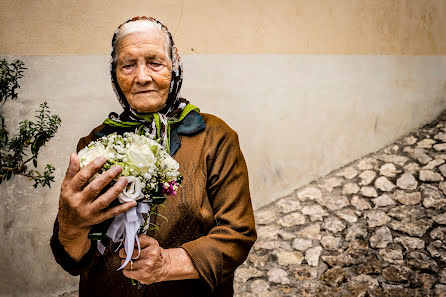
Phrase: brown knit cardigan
[211,218]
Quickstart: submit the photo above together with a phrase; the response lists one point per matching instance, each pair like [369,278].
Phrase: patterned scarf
[157,124]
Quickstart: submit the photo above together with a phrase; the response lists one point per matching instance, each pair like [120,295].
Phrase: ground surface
[376,227]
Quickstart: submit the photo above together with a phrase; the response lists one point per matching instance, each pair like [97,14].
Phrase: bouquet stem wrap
[125,228]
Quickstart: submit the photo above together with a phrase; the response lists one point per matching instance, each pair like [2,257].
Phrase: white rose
[140,155]
[86,155]
[132,191]
[170,163]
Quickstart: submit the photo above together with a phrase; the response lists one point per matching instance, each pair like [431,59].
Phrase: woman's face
[143,70]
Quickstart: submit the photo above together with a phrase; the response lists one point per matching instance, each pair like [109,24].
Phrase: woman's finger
[147,241]
[83,176]
[114,211]
[95,187]
[72,169]
[105,199]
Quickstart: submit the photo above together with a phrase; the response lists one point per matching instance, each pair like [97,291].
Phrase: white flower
[140,154]
[169,163]
[132,191]
[86,155]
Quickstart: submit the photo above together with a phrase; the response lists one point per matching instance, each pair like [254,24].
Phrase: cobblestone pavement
[376,227]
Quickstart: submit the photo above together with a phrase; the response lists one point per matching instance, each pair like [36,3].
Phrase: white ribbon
[125,228]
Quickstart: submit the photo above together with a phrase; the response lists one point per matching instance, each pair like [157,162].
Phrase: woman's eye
[155,64]
[127,66]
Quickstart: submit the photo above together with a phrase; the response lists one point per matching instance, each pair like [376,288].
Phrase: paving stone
[367,177]
[392,256]
[391,149]
[440,219]
[410,140]
[369,192]
[311,232]
[383,184]
[426,143]
[439,233]
[441,137]
[421,261]
[442,187]
[407,198]
[418,228]
[244,274]
[412,168]
[437,249]
[433,198]
[440,147]
[396,159]
[356,231]
[442,275]
[421,156]
[433,164]
[305,272]
[330,242]
[309,193]
[383,200]
[259,261]
[292,220]
[268,232]
[388,170]
[348,173]
[312,255]
[424,280]
[442,170]
[410,243]
[367,164]
[407,212]
[363,280]
[371,265]
[289,258]
[407,182]
[265,217]
[259,287]
[381,238]
[330,183]
[350,188]
[376,218]
[333,224]
[360,204]
[315,211]
[334,276]
[440,290]
[347,215]
[302,244]
[278,276]
[430,176]
[397,273]
[333,202]
[289,204]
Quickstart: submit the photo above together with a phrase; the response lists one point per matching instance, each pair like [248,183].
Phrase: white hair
[140,26]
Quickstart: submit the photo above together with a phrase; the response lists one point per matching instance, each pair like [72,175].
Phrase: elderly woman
[210,227]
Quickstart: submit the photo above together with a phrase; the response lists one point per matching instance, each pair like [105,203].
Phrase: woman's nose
[143,74]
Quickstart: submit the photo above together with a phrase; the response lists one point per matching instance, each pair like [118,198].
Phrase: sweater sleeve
[227,245]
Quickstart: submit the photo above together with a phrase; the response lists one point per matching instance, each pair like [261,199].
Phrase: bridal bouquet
[152,175]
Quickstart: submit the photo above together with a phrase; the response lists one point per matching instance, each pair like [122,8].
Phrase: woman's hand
[79,209]
[156,264]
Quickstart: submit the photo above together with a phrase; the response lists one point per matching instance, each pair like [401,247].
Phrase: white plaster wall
[298,118]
